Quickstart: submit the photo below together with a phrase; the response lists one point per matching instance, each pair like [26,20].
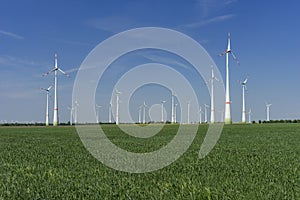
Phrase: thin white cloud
[12,35]
[210,21]
[206,7]
[11,61]
[112,24]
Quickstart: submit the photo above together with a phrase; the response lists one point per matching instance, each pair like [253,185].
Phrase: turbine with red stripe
[55,113]
[227,101]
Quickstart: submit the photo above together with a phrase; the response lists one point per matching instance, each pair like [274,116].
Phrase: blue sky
[265,38]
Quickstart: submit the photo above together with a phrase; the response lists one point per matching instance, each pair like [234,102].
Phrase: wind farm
[140,100]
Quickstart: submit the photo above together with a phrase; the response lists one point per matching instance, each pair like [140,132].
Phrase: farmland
[257,161]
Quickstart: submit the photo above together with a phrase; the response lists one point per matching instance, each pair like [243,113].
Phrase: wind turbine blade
[235,58]
[47,73]
[63,72]
[49,88]
[222,54]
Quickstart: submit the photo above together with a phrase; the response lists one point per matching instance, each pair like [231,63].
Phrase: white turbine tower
[109,113]
[212,107]
[55,113]
[243,102]
[175,112]
[117,106]
[71,115]
[162,111]
[268,105]
[47,104]
[172,109]
[144,112]
[98,113]
[200,115]
[140,114]
[227,101]
[249,115]
[205,112]
[75,107]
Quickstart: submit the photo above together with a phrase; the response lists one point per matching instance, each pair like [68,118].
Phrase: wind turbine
[268,105]
[71,115]
[98,113]
[205,112]
[249,115]
[244,105]
[140,114]
[188,112]
[212,107]
[144,113]
[172,109]
[200,115]
[162,111]
[109,113]
[227,101]
[117,106]
[47,104]
[55,69]
[75,107]
[175,112]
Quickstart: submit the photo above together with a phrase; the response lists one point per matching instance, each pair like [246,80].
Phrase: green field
[259,161]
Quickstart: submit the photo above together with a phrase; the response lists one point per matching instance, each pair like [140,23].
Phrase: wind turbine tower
[144,113]
[75,111]
[200,115]
[268,111]
[249,115]
[109,113]
[243,98]
[227,101]
[117,106]
[98,113]
[162,111]
[55,113]
[175,112]
[140,114]
[212,107]
[205,112]
[71,115]
[47,104]
[172,109]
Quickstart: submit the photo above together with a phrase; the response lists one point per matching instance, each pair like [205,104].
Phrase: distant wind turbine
[117,106]
[205,112]
[75,107]
[55,113]
[98,113]
[71,115]
[47,104]
[227,101]
[144,113]
[268,105]
[212,107]
[172,109]
[200,115]
[249,115]
[175,112]
[244,87]
[140,114]
[162,111]
[109,113]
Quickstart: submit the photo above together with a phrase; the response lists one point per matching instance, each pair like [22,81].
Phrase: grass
[248,162]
